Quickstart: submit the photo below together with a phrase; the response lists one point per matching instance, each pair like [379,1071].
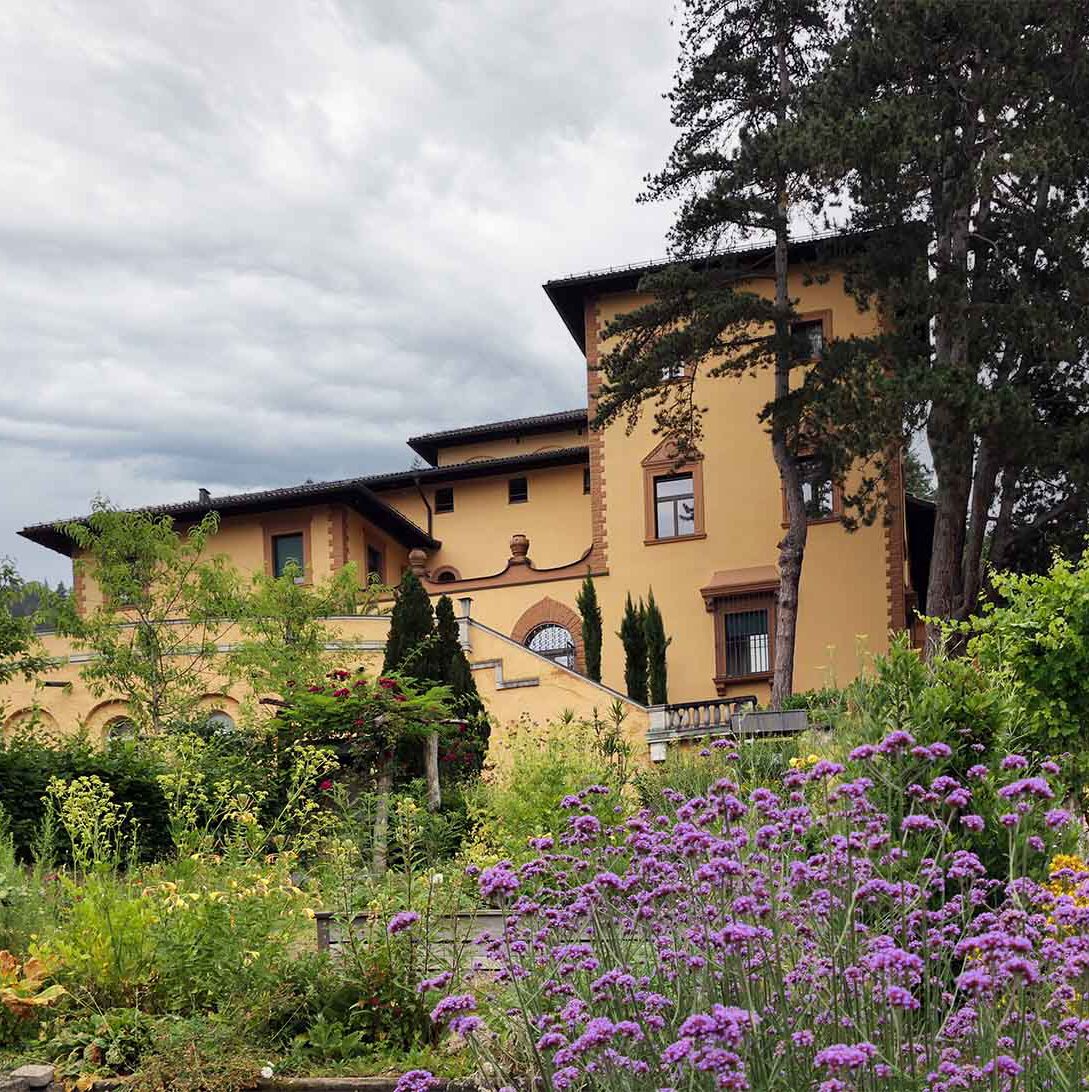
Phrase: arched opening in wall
[28,719]
[119,730]
[446,575]
[554,642]
[221,723]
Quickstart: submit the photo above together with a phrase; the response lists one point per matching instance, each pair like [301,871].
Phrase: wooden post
[431,764]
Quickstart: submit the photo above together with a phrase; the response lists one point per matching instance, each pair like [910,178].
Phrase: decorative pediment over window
[666,455]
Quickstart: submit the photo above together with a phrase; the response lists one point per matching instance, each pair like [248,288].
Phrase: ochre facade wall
[506,446]
[852,588]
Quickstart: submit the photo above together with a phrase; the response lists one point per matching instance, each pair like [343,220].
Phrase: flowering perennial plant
[795,938]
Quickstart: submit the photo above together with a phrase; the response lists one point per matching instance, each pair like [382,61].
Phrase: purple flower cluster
[841,931]
[402,920]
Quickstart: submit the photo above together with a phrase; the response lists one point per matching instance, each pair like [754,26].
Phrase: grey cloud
[246,244]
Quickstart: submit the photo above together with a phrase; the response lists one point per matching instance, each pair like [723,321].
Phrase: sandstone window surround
[664,474]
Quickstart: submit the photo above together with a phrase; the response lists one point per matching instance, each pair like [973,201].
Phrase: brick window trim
[733,599]
[287,524]
[662,462]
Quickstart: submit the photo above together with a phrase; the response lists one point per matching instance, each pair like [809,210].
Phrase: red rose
[358,683]
[387,684]
[315,689]
[399,697]
[343,692]
[326,785]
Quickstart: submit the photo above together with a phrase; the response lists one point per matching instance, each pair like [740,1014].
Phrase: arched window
[120,729]
[221,723]
[446,576]
[554,642]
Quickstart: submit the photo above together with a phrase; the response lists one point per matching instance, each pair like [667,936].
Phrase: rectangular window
[444,499]
[674,506]
[375,566]
[287,549]
[517,490]
[817,490]
[808,339]
[586,481]
[748,643]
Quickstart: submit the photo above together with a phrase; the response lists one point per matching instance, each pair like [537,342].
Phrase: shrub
[129,769]
[1037,637]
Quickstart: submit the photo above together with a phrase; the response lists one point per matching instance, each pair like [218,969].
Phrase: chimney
[205,496]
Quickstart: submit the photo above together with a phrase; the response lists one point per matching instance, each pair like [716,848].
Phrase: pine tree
[590,610]
[657,643]
[972,128]
[741,163]
[410,646]
[633,637]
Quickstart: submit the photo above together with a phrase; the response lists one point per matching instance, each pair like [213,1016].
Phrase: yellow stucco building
[508,518]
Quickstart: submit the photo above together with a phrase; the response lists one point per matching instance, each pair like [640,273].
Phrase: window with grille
[748,642]
[555,642]
[674,506]
[444,499]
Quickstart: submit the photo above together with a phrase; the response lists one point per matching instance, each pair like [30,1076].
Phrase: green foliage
[283,625]
[20,652]
[657,643]
[463,751]
[536,767]
[957,139]
[633,637]
[364,718]
[410,644]
[1037,638]
[163,610]
[590,611]
[130,770]
[113,1041]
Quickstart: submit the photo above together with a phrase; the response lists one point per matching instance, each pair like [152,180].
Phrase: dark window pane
[374,563]
[517,490]
[808,339]
[816,488]
[748,649]
[285,549]
[586,480]
[444,499]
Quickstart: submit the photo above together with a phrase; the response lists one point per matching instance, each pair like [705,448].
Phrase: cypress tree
[467,753]
[410,646]
[590,610]
[657,643]
[632,636]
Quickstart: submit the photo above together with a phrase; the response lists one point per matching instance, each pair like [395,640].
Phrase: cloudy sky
[243,244]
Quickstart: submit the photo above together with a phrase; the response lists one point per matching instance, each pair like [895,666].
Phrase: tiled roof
[429,443]
[352,491]
[360,493]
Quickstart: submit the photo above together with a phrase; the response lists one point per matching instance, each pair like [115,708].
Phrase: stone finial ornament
[519,549]
[417,561]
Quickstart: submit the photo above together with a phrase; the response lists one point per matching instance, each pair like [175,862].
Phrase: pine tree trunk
[431,765]
[792,544]
[380,842]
